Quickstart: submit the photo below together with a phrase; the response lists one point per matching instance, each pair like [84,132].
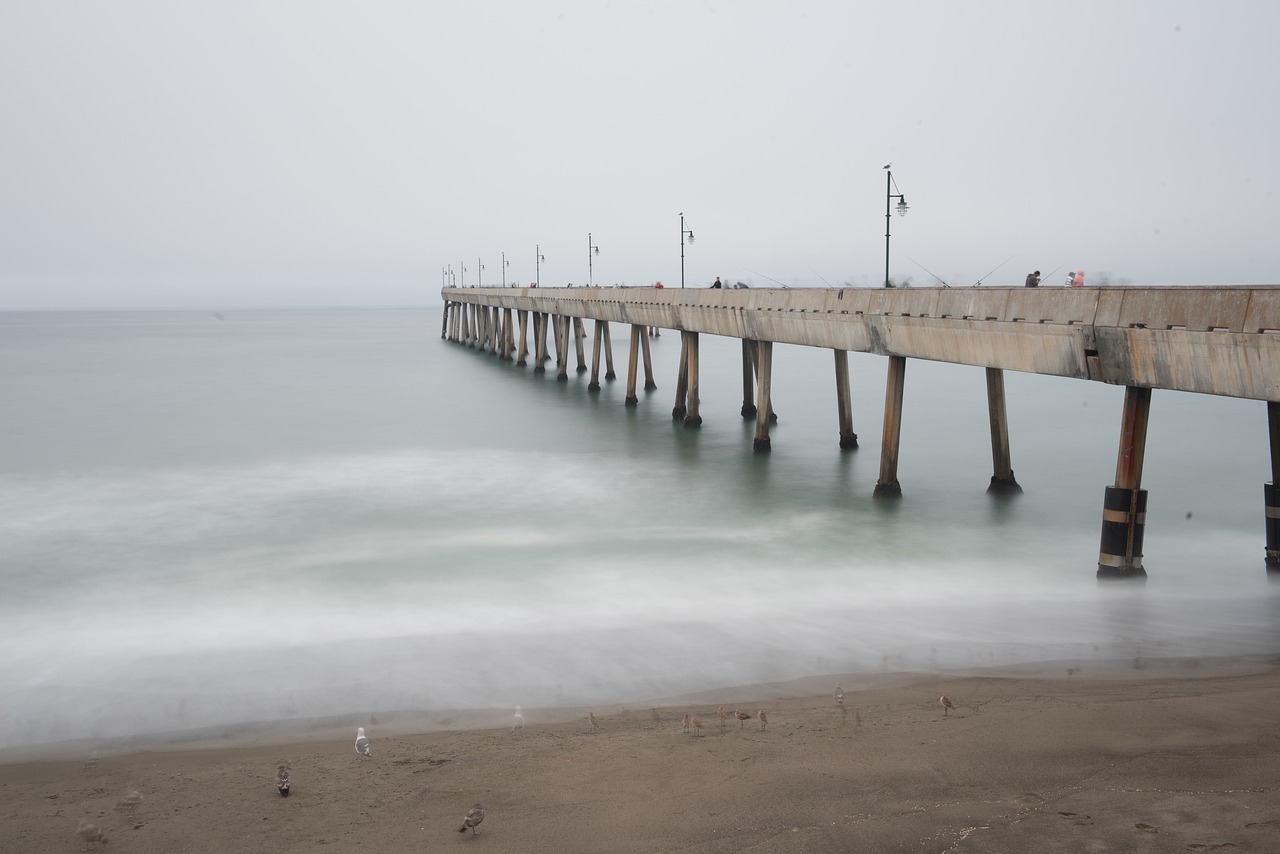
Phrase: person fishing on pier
[1033,279]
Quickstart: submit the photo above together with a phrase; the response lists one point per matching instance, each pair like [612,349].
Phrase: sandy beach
[1179,756]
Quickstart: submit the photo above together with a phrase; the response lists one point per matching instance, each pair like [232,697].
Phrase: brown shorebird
[282,780]
[687,721]
[764,719]
[595,724]
[742,717]
[696,723]
[946,704]
[721,714]
[91,833]
[474,816]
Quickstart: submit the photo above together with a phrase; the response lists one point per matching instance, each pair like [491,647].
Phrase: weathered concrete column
[1124,509]
[649,384]
[1002,479]
[1272,490]
[509,336]
[844,407]
[692,418]
[887,486]
[495,331]
[579,337]
[594,384]
[748,378]
[608,352]
[522,352]
[764,372]
[454,323]
[444,321]
[562,348]
[540,342]
[682,380]
[466,325]
[637,333]
[554,320]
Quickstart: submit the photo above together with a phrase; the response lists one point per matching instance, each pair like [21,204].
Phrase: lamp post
[505,265]
[463,268]
[889,196]
[479,274]
[683,232]
[592,249]
[538,258]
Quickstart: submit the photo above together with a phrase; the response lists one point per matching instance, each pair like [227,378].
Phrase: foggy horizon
[203,156]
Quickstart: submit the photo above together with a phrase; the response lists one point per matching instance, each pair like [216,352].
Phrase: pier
[1207,340]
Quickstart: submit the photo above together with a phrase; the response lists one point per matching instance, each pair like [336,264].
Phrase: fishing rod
[1054,270]
[763,276]
[997,267]
[819,275]
[930,272]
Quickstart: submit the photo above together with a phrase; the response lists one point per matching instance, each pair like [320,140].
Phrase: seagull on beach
[839,696]
[363,747]
[946,704]
[696,723]
[595,724]
[742,717]
[91,833]
[129,803]
[518,720]
[474,816]
[282,780]
[721,714]
[764,719]
[657,718]
[687,721]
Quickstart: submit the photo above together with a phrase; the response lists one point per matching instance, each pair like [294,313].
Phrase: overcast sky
[218,154]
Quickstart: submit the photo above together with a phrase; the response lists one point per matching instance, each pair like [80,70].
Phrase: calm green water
[279,514]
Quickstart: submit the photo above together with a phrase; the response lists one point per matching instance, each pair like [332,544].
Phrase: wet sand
[1180,757]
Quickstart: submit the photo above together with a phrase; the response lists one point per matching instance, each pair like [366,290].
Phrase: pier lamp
[889,196]
[683,232]
[463,268]
[453,278]
[505,265]
[592,249]
[479,274]
[538,258]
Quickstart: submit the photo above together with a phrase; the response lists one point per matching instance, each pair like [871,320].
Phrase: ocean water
[211,518]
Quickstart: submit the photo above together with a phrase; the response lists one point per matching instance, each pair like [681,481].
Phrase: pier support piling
[692,417]
[764,373]
[562,348]
[609,375]
[1272,491]
[522,352]
[682,380]
[594,384]
[748,378]
[887,486]
[1124,509]
[649,384]
[1002,479]
[637,332]
[844,407]
[579,338]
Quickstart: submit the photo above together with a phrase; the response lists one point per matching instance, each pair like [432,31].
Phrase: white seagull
[362,743]
[282,780]
[518,721]
[91,833]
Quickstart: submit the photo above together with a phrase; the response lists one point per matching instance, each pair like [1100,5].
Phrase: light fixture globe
[902,207]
